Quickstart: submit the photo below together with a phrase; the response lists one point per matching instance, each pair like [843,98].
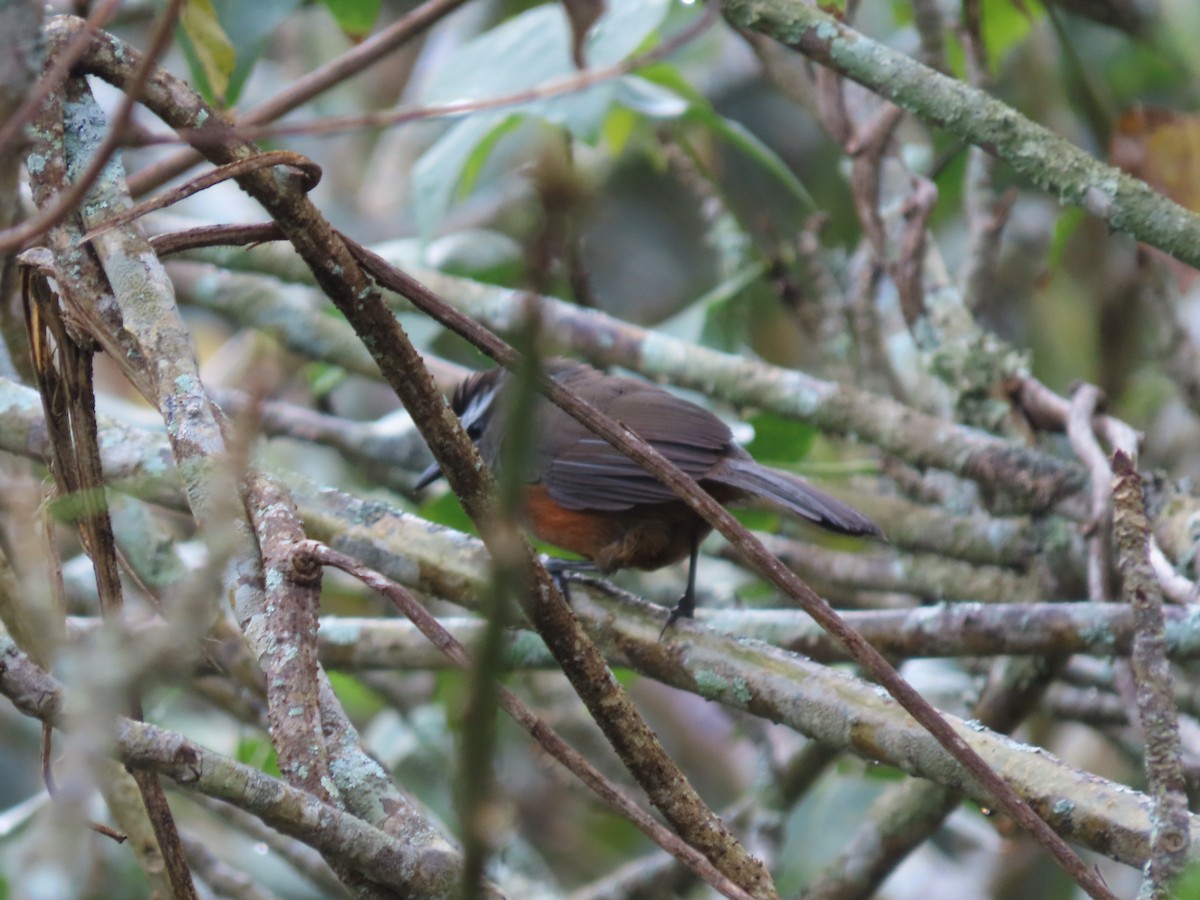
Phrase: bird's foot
[684,609]
[561,571]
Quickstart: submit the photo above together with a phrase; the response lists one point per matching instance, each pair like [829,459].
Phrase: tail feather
[794,495]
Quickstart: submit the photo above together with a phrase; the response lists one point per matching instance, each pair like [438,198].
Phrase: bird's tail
[794,495]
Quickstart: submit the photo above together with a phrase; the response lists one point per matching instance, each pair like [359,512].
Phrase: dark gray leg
[561,569]
[686,607]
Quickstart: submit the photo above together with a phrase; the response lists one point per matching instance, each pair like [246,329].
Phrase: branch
[1027,478]
[1124,203]
[454,651]
[805,696]
[404,865]
[343,281]
[1156,706]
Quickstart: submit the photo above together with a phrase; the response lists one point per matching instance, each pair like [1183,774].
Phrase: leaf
[323,378]
[749,143]
[619,126]
[699,111]
[651,100]
[780,440]
[446,510]
[441,168]
[1005,23]
[248,27]
[478,254]
[1161,146]
[258,753]
[360,701]
[1068,223]
[212,47]
[355,17]
[1188,885]
[478,156]
[533,48]
[714,320]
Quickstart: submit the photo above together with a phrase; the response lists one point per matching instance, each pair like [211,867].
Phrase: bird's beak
[428,477]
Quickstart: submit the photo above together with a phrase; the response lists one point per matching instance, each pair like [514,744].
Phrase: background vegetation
[889,242]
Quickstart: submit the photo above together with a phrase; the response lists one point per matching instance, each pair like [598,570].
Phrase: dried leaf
[1162,147]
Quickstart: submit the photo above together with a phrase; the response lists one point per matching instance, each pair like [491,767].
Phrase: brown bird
[586,496]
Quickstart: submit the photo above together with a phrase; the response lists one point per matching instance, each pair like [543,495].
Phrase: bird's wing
[583,471]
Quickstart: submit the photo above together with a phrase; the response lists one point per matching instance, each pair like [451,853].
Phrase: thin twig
[309,169]
[1084,402]
[568,84]
[305,88]
[68,201]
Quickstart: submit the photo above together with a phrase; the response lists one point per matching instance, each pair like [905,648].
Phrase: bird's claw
[560,569]
[684,609]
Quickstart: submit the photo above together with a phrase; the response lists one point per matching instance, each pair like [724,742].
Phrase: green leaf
[482,150]
[715,320]
[750,144]
[211,45]
[533,48]
[1005,25]
[757,520]
[1188,885]
[247,27]
[71,507]
[700,112]
[258,752]
[355,17]
[441,168]
[619,127]
[1068,223]
[478,254]
[323,377]
[627,678]
[780,440]
[446,510]
[450,687]
[359,701]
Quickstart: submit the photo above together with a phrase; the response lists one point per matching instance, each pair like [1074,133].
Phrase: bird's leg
[560,569]
[686,607]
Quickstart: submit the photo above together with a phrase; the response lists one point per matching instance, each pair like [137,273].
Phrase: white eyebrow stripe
[477,407]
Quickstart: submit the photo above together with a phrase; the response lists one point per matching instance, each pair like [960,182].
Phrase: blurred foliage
[686,187]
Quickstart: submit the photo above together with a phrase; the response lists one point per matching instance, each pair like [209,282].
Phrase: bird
[582,494]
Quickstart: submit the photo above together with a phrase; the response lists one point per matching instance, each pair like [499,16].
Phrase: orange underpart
[576,530]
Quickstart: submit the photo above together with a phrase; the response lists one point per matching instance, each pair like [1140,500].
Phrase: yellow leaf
[212,45]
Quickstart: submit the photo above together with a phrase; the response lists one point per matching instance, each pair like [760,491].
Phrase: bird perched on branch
[586,496]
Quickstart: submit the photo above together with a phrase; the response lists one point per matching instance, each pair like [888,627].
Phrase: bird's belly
[644,537]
